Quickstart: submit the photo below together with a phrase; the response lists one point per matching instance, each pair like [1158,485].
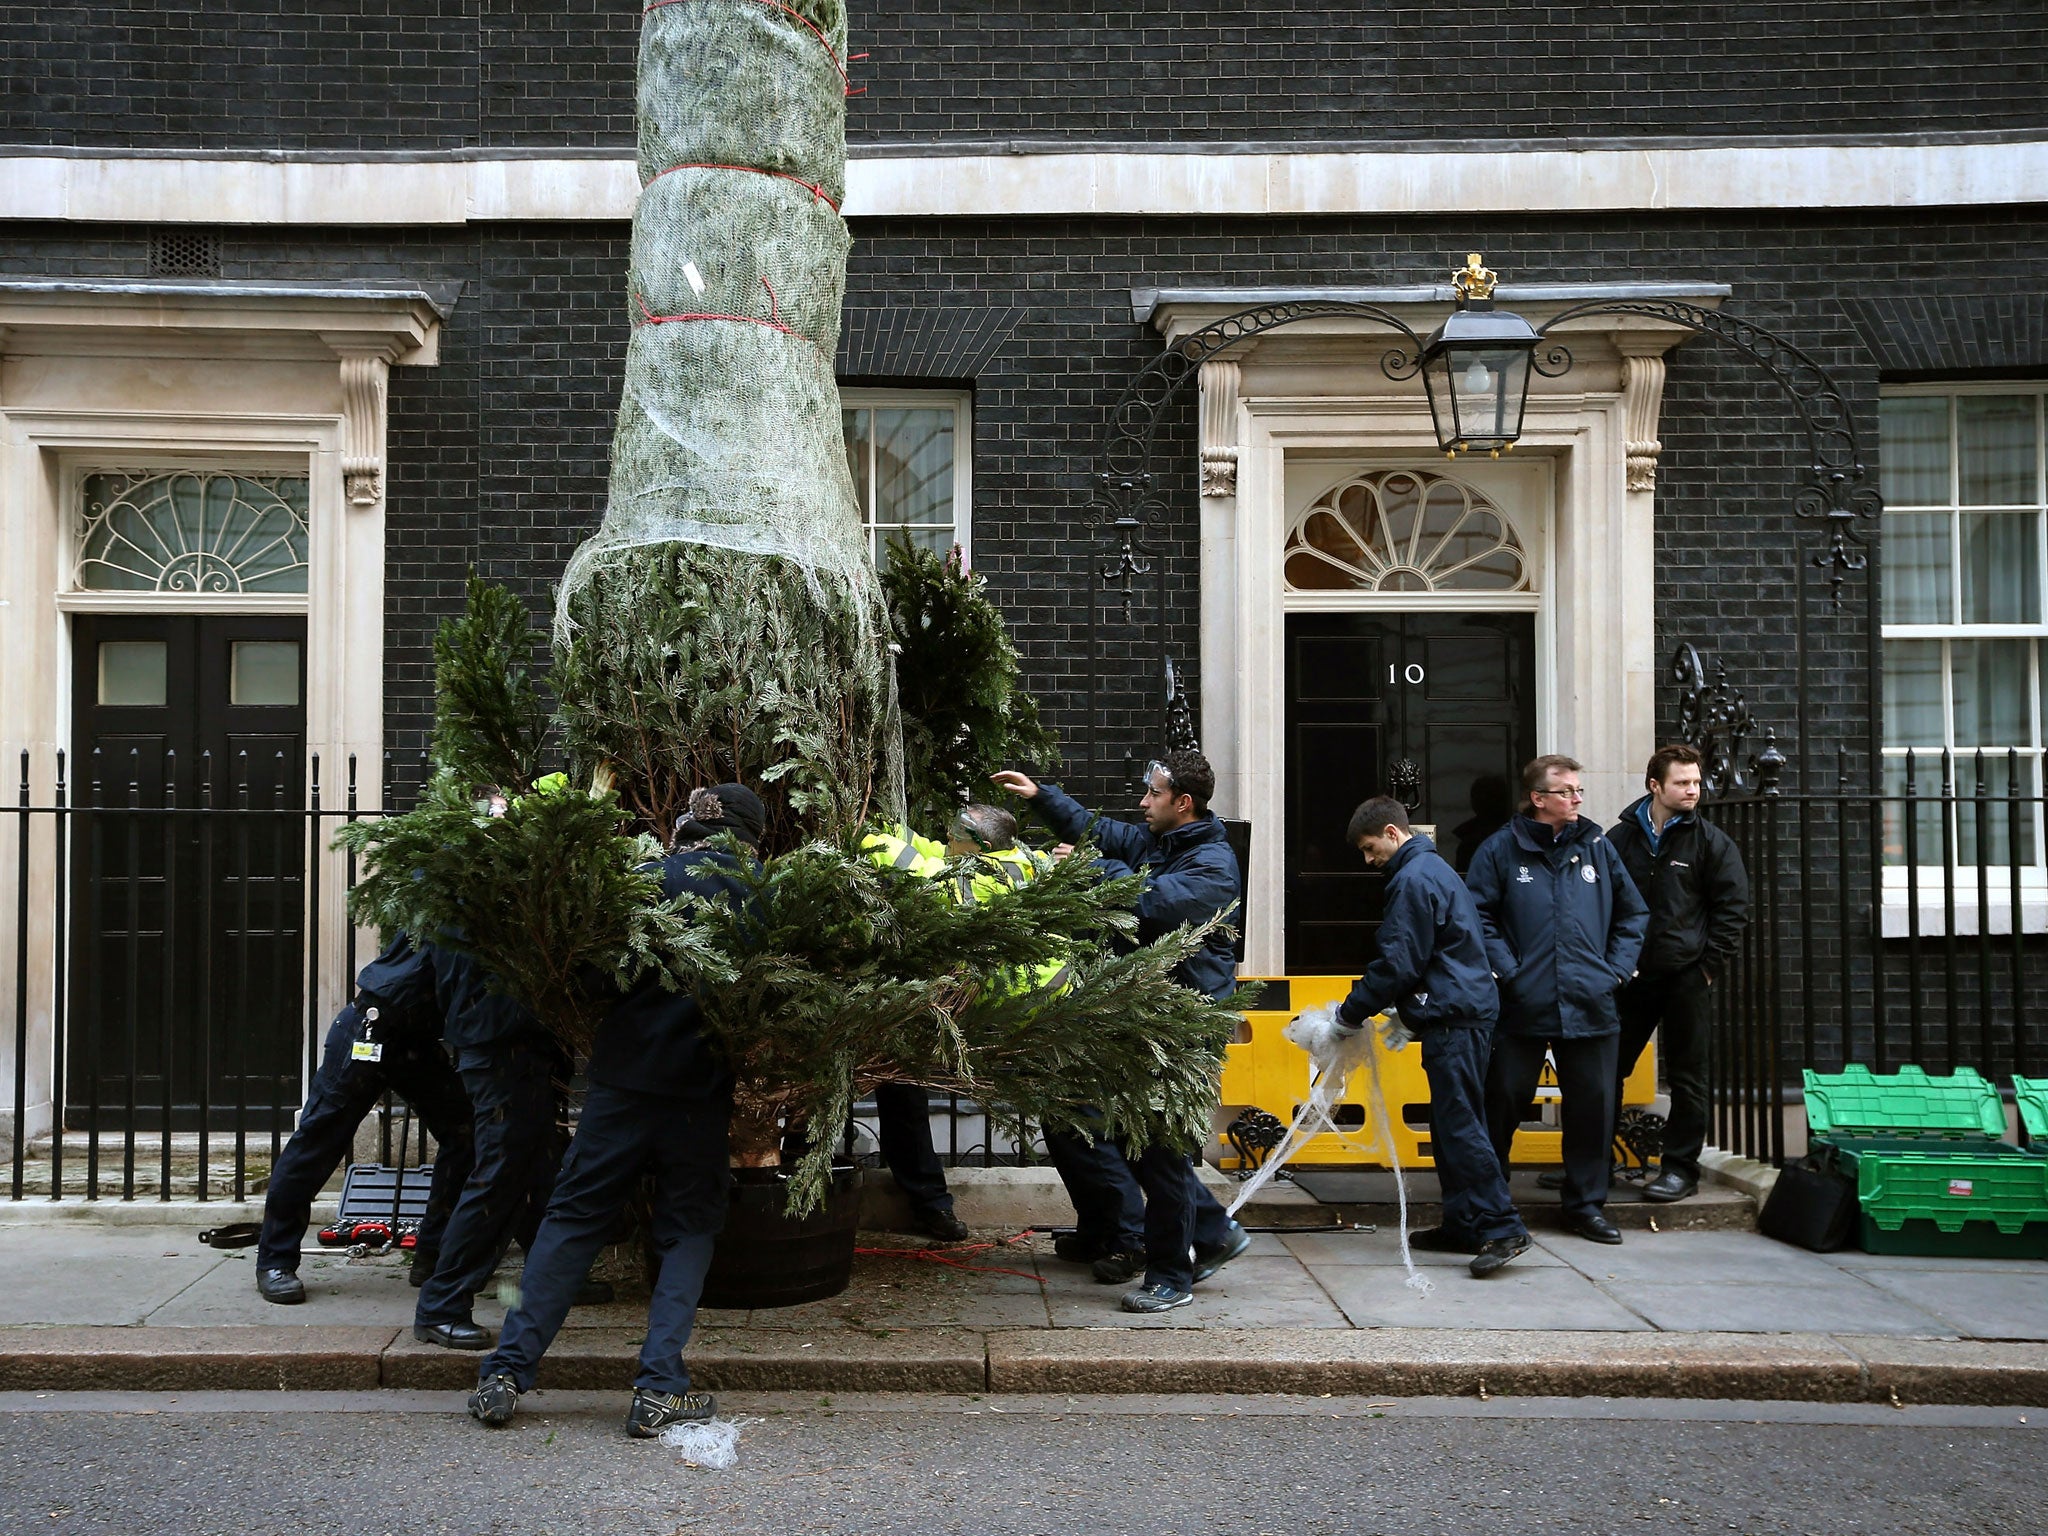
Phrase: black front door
[186,955]
[1452,693]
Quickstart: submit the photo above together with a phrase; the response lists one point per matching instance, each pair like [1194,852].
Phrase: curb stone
[1808,1367]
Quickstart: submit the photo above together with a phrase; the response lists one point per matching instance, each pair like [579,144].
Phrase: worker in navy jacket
[1432,966]
[1191,875]
[387,1039]
[1564,928]
[660,1102]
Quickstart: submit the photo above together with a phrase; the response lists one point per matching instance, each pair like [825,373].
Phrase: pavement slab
[1977,1303]
[1733,1258]
[1247,1293]
[1756,1308]
[116,1275]
[1538,1297]
[1383,1246]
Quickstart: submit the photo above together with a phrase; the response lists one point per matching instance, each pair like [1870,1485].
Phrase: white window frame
[962,403]
[1926,887]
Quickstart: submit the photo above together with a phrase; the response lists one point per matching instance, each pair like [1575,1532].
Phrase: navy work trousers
[1585,1084]
[1475,1190]
[1109,1208]
[1676,1007]
[344,1091]
[903,1128]
[512,1096]
[620,1136]
[1151,1204]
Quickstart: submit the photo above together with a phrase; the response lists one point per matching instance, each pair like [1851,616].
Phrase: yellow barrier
[1270,1072]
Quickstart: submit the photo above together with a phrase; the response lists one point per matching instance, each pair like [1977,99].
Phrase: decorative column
[1219,428]
[1642,386]
[1222,642]
[365,388]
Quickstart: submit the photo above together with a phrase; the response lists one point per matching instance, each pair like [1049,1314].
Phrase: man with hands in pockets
[1564,928]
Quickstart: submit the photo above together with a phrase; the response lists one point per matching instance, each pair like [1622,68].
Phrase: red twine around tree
[712,165]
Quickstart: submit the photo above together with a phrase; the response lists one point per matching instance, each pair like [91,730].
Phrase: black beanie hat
[730,808]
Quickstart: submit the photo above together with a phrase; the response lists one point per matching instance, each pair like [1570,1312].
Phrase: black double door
[188,858]
[1453,694]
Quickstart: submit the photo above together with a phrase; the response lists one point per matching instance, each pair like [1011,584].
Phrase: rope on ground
[950,1257]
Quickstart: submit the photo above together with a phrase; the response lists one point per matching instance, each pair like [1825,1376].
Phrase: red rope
[773,325]
[711,165]
[820,36]
[945,1256]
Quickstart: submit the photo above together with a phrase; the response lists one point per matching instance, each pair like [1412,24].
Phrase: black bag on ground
[1812,1205]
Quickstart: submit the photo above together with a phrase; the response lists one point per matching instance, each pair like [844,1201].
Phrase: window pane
[857,458]
[2001,568]
[1995,449]
[1926,822]
[134,673]
[1991,679]
[192,531]
[1913,451]
[914,466]
[264,672]
[1912,693]
[1918,556]
[1987,825]
[924,536]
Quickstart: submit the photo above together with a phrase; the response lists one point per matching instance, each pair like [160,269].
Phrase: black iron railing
[178,946]
[1908,925]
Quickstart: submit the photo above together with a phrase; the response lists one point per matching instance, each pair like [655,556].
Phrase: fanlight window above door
[191,531]
[1403,530]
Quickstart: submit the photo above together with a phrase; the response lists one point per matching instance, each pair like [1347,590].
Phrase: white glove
[1315,1030]
[1393,1033]
[1334,1047]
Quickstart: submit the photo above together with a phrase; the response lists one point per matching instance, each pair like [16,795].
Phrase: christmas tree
[726,623]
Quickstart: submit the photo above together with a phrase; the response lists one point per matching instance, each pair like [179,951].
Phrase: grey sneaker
[652,1412]
[1206,1264]
[494,1401]
[1157,1298]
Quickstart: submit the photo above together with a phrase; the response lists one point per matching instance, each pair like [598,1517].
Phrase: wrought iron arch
[1126,499]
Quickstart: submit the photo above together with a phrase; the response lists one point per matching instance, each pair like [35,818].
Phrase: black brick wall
[499,454]
[454,74]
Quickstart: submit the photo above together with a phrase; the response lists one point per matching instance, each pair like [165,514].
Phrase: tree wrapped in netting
[726,623]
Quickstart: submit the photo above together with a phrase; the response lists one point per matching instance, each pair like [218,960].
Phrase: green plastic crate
[1983,1201]
[1857,1102]
[2031,1095]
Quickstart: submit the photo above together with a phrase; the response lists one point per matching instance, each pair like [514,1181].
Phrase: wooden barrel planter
[767,1259]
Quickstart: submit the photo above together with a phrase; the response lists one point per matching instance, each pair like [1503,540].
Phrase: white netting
[729,431]
[1335,1056]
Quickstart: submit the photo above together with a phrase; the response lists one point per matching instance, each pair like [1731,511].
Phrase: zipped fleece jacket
[1192,875]
[1564,927]
[1696,887]
[1432,962]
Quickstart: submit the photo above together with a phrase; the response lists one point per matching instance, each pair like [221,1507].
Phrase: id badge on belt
[369,1048]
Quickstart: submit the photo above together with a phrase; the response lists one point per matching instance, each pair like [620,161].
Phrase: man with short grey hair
[1564,927]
